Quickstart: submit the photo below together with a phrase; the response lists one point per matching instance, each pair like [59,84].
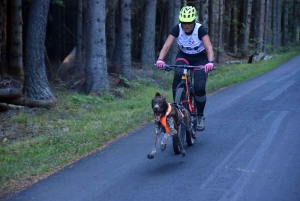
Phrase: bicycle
[185,96]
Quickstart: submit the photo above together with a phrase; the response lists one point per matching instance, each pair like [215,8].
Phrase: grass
[81,124]
[229,75]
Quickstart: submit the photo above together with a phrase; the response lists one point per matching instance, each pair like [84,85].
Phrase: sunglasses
[187,23]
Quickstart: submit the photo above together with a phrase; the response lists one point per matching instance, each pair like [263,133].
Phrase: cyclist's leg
[200,97]
[200,78]
[200,92]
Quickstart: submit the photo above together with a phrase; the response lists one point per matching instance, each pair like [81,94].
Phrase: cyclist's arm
[166,47]
[208,47]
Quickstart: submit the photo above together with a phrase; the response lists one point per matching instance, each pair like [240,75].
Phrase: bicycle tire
[181,135]
[189,140]
[179,97]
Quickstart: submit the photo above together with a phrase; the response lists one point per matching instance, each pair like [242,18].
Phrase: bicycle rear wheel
[181,135]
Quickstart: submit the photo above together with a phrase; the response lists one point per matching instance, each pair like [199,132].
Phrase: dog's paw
[183,153]
[163,147]
[194,134]
[150,156]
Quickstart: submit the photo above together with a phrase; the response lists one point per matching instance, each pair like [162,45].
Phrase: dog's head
[159,106]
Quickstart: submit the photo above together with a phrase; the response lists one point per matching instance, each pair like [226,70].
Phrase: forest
[94,45]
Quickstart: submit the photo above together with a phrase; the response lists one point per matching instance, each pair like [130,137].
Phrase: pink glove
[160,64]
[209,67]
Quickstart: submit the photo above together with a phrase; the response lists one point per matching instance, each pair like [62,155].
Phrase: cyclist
[195,49]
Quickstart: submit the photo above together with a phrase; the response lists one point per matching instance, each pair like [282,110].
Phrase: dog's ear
[164,96]
[157,94]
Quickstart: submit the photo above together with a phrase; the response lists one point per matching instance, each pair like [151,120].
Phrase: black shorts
[200,76]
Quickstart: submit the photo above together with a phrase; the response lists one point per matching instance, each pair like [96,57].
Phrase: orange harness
[163,120]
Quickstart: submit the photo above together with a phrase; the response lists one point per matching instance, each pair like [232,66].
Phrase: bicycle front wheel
[189,140]
[180,97]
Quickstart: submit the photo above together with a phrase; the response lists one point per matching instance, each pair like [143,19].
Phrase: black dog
[168,117]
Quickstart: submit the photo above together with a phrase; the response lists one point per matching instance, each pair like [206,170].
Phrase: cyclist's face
[187,26]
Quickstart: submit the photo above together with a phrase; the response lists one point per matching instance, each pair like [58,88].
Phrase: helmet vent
[187,14]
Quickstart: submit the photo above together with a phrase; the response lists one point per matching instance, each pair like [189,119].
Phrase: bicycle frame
[187,80]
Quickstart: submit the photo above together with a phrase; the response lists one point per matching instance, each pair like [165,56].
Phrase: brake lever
[166,68]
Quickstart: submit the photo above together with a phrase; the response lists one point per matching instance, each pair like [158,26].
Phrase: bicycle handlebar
[168,67]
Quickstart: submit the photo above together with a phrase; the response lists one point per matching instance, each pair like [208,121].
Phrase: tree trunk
[126,39]
[84,23]
[247,28]
[204,13]
[174,48]
[254,27]
[227,22]
[279,30]
[160,29]
[167,23]
[220,53]
[197,5]
[3,18]
[96,77]
[10,93]
[16,41]
[214,22]
[136,39]
[78,30]
[169,57]
[274,25]
[261,29]
[110,28]
[285,38]
[15,97]
[295,21]
[148,38]
[235,27]
[59,36]
[36,84]
[268,27]
[116,61]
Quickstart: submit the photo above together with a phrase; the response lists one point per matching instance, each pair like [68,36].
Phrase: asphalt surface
[250,150]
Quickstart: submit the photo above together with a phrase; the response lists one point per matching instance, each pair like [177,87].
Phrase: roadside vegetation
[79,124]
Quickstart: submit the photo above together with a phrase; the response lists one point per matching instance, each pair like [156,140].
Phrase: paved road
[250,150]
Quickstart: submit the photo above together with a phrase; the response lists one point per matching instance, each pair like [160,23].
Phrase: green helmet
[187,14]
